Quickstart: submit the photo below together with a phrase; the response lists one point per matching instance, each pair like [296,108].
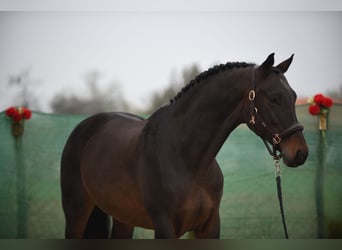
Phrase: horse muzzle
[294,149]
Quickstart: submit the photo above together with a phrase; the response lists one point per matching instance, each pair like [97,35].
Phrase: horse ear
[283,67]
[268,63]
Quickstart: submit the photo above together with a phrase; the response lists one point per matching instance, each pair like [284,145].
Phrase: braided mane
[211,71]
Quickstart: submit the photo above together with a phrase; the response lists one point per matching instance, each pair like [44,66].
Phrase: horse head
[273,114]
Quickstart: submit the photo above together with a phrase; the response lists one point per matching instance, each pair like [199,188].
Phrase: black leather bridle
[276,140]
[256,117]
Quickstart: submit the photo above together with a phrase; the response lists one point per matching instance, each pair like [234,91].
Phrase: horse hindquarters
[77,205]
[83,219]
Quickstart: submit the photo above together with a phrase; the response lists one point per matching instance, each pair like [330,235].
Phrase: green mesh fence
[30,200]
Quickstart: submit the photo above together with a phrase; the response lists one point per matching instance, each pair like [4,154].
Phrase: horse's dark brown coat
[161,173]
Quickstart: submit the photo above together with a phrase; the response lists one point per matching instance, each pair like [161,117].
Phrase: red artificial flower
[26,113]
[314,109]
[318,99]
[17,117]
[327,102]
[11,111]
[17,114]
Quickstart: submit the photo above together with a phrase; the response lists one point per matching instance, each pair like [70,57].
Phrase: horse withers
[160,173]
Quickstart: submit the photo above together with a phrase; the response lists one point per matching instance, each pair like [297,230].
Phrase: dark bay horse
[160,173]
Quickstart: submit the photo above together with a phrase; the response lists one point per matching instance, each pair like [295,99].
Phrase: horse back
[86,129]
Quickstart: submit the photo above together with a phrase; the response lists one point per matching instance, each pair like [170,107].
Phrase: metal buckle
[276,139]
[251,95]
[252,121]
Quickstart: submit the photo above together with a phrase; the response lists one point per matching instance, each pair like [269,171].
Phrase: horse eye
[274,100]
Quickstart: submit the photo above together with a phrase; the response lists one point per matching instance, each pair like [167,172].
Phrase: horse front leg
[163,228]
[211,229]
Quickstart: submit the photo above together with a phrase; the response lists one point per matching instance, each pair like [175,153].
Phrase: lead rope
[276,160]
[273,152]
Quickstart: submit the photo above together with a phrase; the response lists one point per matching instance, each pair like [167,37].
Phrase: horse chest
[196,209]
[198,205]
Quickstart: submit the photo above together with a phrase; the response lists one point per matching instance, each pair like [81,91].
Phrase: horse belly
[127,209]
[119,197]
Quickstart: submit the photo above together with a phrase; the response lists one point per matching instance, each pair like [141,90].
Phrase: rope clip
[276,161]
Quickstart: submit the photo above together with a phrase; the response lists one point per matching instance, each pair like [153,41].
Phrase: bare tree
[99,100]
[336,93]
[24,84]
[160,98]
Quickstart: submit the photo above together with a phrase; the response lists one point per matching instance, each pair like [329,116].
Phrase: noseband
[255,116]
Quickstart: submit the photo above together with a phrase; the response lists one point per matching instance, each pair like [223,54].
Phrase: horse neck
[205,116]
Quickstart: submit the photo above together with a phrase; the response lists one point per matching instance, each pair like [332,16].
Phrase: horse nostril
[301,156]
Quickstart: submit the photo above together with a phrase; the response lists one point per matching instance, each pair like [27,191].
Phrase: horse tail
[98,225]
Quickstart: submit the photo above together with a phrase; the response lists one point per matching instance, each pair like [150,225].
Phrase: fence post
[21,189]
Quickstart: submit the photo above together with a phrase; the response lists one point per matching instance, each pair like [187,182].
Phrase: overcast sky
[140,49]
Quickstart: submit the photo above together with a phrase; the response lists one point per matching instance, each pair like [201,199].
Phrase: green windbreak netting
[30,201]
